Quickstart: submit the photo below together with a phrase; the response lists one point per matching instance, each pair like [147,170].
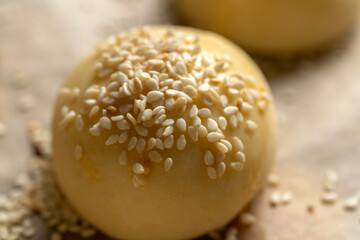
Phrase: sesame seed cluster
[156,91]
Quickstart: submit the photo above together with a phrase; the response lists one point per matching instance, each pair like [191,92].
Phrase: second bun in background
[273,27]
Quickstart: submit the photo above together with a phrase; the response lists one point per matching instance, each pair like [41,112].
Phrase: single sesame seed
[275,198]
[153,96]
[181,143]
[79,123]
[204,112]
[112,139]
[105,122]
[197,122]
[351,203]
[191,91]
[168,122]
[181,124]
[95,131]
[221,147]
[159,144]
[193,133]
[212,125]
[138,168]
[132,143]
[90,102]
[141,130]
[180,102]
[64,110]
[237,166]
[147,115]
[131,119]
[202,131]
[211,173]
[169,104]
[123,137]
[140,145]
[117,118]
[209,158]
[233,121]
[214,136]
[168,131]
[204,87]
[220,169]
[251,125]
[78,152]
[172,92]
[193,111]
[94,110]
[151,144]
[227,144]
[70,116]
[155,156]
[168,164]
[238,144]
[224,101]
[286,197]
[181,68]
[207,100]
[152,84]
[230,110]
[329,197]
[169,142]
[246,107]
[123,124]
[240,156]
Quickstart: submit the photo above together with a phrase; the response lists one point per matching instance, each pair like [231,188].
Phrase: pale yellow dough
[182,203]
[273,27]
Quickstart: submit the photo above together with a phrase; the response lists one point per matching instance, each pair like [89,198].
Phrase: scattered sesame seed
[251,125]
[142,131]
[181,124]
[227,144]
[132,143]
[181,68]
[168,164]
[214,136]
[329,197]
[151,143]
[153,96]
[275,198]
[351,203]
[221,147]
[79,123]
[155,156]
[212,125]
[181,143]
[138,168]
[220,169]
[211,173]
[168,131]
[209,158]
[169,142]
[105,122]
[246,107]
[286,197]
[204,112]
[193,133]
[70,116]
[123,124]
[94,110]
[231,234]
[202,131]
[112,139]
[95,131]
[222,123]
[240,156]
[123,137]
[237,166]
[238,144]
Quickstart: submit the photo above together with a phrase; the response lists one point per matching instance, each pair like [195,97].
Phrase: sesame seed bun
[177,145]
